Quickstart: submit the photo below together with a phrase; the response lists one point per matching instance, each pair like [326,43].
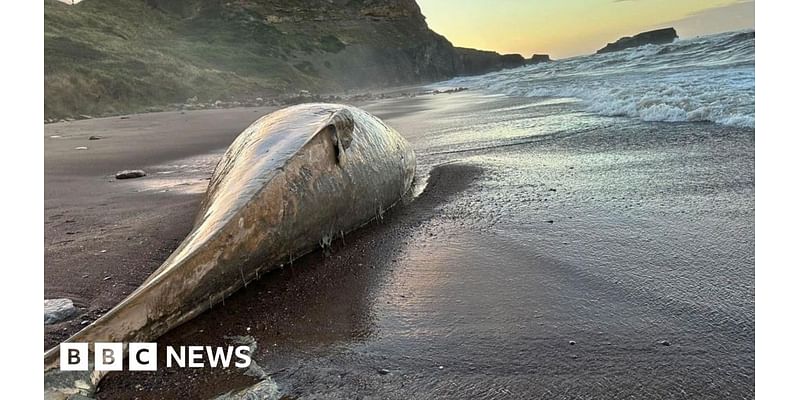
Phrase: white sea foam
[706,79]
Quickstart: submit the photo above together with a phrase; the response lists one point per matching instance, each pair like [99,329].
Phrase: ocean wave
[706,79]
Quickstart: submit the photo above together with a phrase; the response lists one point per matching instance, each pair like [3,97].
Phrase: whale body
[289,183]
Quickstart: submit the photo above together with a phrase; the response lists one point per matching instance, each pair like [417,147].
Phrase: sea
[702,79]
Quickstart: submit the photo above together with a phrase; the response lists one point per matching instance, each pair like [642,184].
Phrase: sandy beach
[550,253]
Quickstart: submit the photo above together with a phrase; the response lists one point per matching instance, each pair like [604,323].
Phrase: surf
[704,79]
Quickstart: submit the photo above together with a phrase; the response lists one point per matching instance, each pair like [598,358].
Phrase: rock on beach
[130,173]
[57,310]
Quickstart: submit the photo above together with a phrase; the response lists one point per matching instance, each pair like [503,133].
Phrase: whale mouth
[341,128]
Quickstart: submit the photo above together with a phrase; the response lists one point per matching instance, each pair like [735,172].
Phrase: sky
[565,28]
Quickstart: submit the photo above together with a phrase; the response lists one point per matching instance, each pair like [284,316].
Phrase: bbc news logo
[144,356]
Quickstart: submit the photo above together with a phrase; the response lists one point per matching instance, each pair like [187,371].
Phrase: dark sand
[540,226]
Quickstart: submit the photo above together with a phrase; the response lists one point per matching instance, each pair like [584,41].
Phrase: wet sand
[553,254]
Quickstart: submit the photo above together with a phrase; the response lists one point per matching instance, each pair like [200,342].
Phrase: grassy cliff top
[118,56]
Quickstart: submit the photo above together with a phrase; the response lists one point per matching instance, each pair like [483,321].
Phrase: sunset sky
[564,28]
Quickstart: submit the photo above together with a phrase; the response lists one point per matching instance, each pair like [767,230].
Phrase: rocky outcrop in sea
[539,58]
[658,36]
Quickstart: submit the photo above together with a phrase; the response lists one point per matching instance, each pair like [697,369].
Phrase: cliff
[113,56]
[658,36]
[474,62]
[539,58]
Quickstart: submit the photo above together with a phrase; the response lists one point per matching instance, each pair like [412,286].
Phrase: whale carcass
[292,181]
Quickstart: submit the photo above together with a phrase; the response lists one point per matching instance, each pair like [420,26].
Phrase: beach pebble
[130,173]
[383,371]
[57,310]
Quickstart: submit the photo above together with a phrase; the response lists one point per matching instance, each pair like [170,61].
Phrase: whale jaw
[289,183]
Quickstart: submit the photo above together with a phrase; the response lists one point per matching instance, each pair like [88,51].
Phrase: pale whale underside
[289,183]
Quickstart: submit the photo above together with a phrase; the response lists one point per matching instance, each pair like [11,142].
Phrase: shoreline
[615,234]
[354,96]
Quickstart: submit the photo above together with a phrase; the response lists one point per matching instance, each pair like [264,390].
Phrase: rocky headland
[658,36]
[121,56]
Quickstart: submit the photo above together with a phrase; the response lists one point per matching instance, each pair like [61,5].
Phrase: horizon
[501,26]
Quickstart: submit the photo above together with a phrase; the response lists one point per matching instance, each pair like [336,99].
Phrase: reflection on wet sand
[316,303]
